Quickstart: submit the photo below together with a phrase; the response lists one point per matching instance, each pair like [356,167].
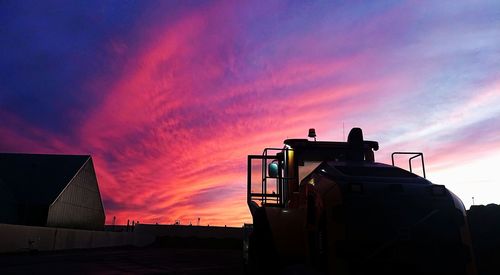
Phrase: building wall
[79,205]
[8,206]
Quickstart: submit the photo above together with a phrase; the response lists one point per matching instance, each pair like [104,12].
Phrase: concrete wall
[218,232]
[79,205]
[19,238]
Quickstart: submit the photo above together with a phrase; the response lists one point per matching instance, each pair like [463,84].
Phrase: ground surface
[151,260]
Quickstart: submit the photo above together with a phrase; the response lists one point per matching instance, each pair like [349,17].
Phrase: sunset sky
[169,97]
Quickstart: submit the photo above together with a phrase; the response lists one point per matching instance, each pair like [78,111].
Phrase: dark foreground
[148,260]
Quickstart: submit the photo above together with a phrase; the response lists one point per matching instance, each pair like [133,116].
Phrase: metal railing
[265,198]
[414,155]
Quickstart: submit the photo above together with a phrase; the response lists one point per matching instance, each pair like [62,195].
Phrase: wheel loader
[325,207]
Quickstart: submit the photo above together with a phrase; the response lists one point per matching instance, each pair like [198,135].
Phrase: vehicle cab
[330,206]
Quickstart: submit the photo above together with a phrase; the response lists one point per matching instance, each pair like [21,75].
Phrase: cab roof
[304,143]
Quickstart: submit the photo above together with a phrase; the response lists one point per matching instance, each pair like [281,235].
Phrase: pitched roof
[37,178]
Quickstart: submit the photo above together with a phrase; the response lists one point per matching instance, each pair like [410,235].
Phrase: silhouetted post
[114,222]
[128,225]
[343,131]
[473,201]
[198,224]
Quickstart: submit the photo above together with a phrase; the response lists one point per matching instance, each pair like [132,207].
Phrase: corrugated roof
[38,178]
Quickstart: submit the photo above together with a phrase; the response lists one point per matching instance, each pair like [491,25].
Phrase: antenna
[343,131]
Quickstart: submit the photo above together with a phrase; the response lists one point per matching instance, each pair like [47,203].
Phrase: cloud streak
[178,101]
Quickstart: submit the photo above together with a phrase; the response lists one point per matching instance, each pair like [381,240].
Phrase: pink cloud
[198,96]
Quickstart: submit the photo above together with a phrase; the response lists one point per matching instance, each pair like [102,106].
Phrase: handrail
[249,173]
[281,179]
[415,155]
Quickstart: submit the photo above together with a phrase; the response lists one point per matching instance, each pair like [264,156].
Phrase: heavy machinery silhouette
[324,207]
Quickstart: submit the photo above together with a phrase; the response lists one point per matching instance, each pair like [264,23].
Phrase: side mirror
[272,169]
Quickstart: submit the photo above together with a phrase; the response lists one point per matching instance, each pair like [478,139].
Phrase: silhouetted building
[50,190]
[484,222]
